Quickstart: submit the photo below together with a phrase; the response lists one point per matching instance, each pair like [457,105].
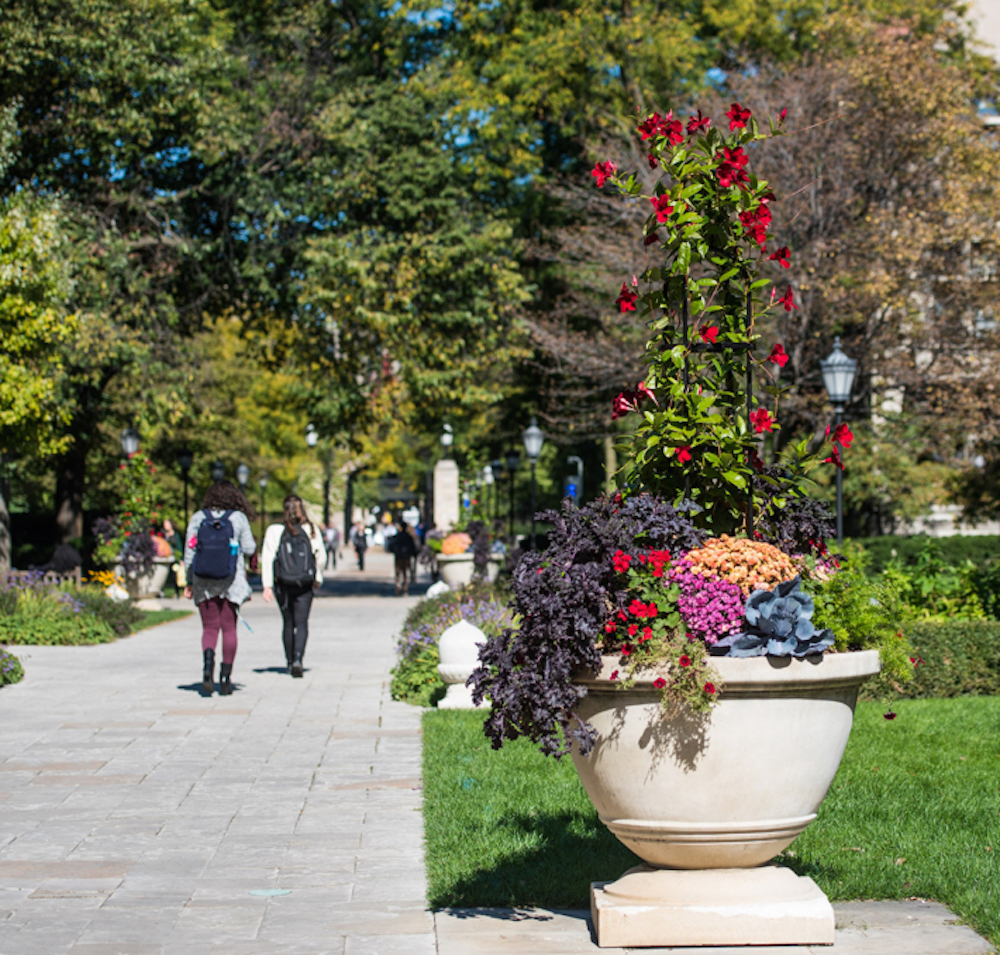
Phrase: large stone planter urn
[457,570]
[149,585]
[707,802]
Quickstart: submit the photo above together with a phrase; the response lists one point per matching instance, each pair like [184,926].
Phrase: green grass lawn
[153,618]
[914,811]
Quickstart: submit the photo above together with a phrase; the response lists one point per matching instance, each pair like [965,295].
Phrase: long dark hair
[295,515]
[226,496]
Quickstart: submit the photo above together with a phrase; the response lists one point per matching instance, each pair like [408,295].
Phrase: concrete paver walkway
[138,818]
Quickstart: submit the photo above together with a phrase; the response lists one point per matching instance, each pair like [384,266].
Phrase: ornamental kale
[564,596]
[779,624]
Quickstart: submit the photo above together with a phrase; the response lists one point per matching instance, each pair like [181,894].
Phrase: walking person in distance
[217,541]
[403,548]
[291,568]
[360,540]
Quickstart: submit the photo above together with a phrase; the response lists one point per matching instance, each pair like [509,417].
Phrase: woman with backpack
[217,540]
[291,568]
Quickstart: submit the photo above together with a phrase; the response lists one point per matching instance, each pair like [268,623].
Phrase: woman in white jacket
[291,568]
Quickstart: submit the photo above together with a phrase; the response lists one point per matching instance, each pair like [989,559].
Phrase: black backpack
[403,545]
[295,565]
[215,556]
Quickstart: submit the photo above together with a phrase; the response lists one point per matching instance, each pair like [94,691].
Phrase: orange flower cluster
[751,565]
[455,544]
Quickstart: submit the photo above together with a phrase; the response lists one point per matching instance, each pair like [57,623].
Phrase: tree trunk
[5,540]
[70,482]
[610,463]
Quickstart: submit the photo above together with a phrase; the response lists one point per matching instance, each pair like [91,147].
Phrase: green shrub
[952,550]
[865,612]
[11,670]
[121,616]
[52,617]
[934,589]
[415,678]
[956,658]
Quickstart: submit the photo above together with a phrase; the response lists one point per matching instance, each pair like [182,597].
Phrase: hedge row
[958,657]
[952,550]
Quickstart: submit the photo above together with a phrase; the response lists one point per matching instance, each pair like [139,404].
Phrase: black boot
[208,677]
[297,666]
[225,683]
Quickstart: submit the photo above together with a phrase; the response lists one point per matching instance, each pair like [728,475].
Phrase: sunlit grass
[914,811]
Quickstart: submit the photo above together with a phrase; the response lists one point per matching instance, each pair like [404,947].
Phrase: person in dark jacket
[403,548]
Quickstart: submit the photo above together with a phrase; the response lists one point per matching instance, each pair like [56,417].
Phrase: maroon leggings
[218,613]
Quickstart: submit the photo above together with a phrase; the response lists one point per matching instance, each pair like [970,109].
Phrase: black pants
[295,604]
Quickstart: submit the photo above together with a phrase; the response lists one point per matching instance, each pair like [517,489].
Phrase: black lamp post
[512,461]
[497,467]
[263,488]
[838,377]
[217,470]
[185,458]
[534,438]
[130,441]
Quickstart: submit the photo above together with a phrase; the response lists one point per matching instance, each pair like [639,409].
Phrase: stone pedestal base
[458,697]
[673,907]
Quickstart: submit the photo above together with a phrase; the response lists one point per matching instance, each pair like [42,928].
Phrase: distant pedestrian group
[217,542]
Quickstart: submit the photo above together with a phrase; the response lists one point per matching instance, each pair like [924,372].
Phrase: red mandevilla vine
[703,402]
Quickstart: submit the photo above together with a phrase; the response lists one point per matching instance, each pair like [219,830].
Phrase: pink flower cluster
[710,608]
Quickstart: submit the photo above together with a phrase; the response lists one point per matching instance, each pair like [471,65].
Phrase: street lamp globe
[534,438]
[838,374]
[185,459]
[312,436]
[513,461]
[447,436]
[243,475]
[488,477]
[263,481]
[218,470]
[130,441]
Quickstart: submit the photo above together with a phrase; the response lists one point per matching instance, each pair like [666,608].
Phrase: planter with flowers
[679,638]
[125,540]
[465,555]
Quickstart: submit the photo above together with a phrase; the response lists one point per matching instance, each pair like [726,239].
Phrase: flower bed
[415,677]
[11,668]
[33,612]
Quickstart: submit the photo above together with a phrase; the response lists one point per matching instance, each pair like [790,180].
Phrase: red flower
[651,126]
[614,675]
[698,123]
[834,457]
[609,627]
[621,561]
[647,634]
[916,661]
[841,435]
[626,650]
[659,683]
[643,392]
[778,356]
[621,615]
[890,715]
[730,171]
[755,461]
[651,610]
[623,404]
[782,115]
[709,333]
[685,660]
[684,454]
[603,171]
[761,420]
[653,161]
[662,206]
[788,300]
[738,117]
[626,299]
[755,223]
[637,608]
[633,629]
[650,239]
[781,256]
[709,688]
